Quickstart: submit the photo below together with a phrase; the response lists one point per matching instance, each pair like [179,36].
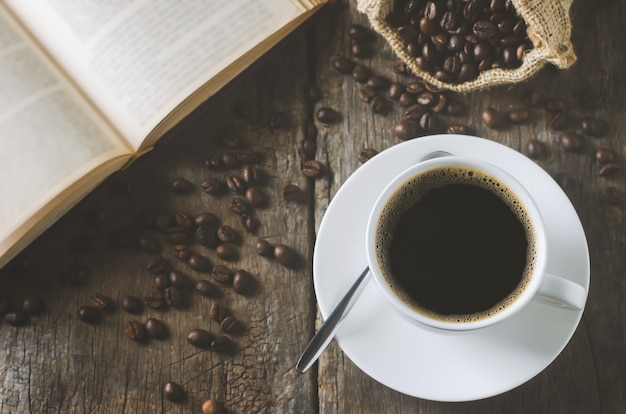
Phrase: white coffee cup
[535,284]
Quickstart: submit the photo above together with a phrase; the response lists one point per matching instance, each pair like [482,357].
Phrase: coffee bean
[173,392]
[264,248]
[239,206]
[157,264]
[535,149]
[367,94]
[156,329]
[161,282]
[17,318]
[519,115]
[377,82]
[135,331]
[343,65]
[181,185]
[212,407]
[100,302]
[396,89]
[594,127]
[236,184]
[251,175]
[360,49]
[132,304]
[205,219]
[361,33]
[227,234]
[243,282]
[406,129]
[154,300]
[182,252]
[177,235]
[313,93]
[207,236]
[292,192]
[32,305]
[492,118]
[459,129]
[227,252]
[250,223]
[604,155]
[360,74]
[214,162]
[570,141]
[199,263]
[173,296]
[609,169]
[255,197]
[327,115]
[378,105]
[309,147]
[441,105]
[286,256]
[213,186]
[217,312]
[206,288]
[428,122]
[223,344]
[184,219]
[221,274]
[200,338]
[231,326]
[88,314]
[366,154]
[415,112]
[312,168]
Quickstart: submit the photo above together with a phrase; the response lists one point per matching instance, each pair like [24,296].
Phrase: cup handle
[562,293]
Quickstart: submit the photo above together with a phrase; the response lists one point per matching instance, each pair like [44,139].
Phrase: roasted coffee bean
[227,234]
[609,169]
[214,162]
[184,219]
[366,154]
[312,168]
[519,115]
[396,89]
[230,160]
[100,302]
[205,219]
[361,33]
[264,248]
[177,235]
[459,129]
[17,318]
[173,296]
[570,141]
[206,236]
[173,392]
[156,329]
[135,331]
[360,49]
[243,282]
[157,264]
[221,274]
[182,252]
[378,105]
[223,345]
[206,288]
[239,206]
[250,223]
[181,185]
[557,120]
[161,282]
[248,157]
[211,406]
[535,149]
[213,186]
[492,118]
[200,338]
[313,93]
[407,99]
[604,155]
[251,175]
[309,147]
[32,305]
[441,104]
[366,94]
[292,192]
[154,300]
[406,129]
[255,197]
[178,280]
[236,184]
[377,82]
[428,122]
[343,65]
[360,74]
[593,127]
[614,196]
[148,244]
[88,315]
[231,326]
[310,131]
[327,115]
[227,252]
[132,304]
[217,312]
[199,263]
[286,256]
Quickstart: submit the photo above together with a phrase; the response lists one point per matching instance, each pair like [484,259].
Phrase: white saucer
[430,365]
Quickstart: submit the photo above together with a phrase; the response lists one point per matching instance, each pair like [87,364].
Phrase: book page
[138,59]
[48,140]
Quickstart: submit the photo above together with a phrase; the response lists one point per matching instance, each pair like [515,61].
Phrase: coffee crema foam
[410,193]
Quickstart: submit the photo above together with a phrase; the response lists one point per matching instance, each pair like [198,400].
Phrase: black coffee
[455,244]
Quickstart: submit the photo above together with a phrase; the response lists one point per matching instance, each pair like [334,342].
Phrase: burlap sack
[548,27]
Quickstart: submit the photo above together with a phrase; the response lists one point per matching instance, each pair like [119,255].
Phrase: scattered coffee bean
[132,304]
[406,129]
[227,252]
[286,256]
[17,318]
[396,89]
[264,248]
[200,338]
[157,264]
[100,302]
[199,263]
[378,104]
[182,252]
[173,296]
[221,274]
[205,219]
[135,331]
[223,344]
[231,326]
[343,65]
[609,169]
[604,155]
[250,223]
[239,206]
[212,407]
[217,312]
[519,115]
[459,129]
[493,119]
[570,141]
[361,33]
[213,186]
[243,282]
[177,235]
[255,197]
[161,282]
[230,160]
[32,305]
[415,112]
[154,300]
[377,82]
[366,154]
[173,392]
[367,94]
[181,185]
[206,236]
[184,219]
[292,192]
[360,73]
[407,99]
[309,147]
[535,149]
[206,288]
[227,234]
[594,127]
[236,184]
[252,175]
[88,314]
[312,168]
[327,115]
[156,329]
[214,162]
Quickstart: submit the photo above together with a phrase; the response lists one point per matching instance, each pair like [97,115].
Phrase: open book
[87,86]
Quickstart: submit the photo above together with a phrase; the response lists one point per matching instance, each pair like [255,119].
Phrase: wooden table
[58,363]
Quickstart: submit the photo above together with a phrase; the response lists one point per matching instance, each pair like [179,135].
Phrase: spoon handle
[326,333]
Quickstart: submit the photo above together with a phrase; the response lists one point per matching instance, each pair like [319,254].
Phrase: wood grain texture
[58,364]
